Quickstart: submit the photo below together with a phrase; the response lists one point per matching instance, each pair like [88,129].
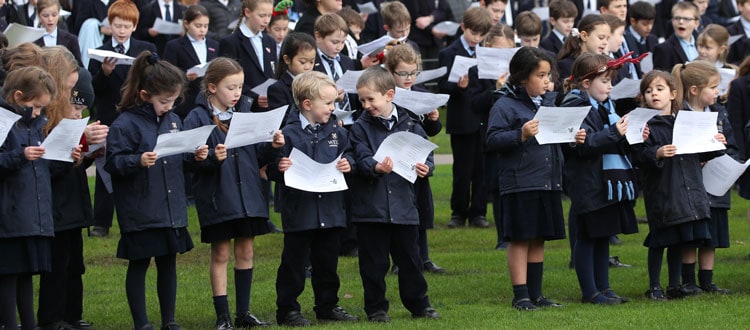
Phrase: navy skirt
[690,234]
[718,226]
[245,227]
[610,220]
[154,243]
[25,255]
[530,215]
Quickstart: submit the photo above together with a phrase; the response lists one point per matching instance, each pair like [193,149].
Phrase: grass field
[475,293]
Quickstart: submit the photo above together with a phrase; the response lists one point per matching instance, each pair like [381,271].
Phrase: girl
[190,50]
[591,36]
[278,27]
[26,216]
[699,82]
[739,115]
[683,217]
[531,208]
[713,46]
[599,175]
[227,209]
[49,16]
[403,62]
[258,60]
[297,56]
[61,65]
[149,194]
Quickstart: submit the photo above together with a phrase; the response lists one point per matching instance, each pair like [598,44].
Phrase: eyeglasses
[404,75]
[683,19]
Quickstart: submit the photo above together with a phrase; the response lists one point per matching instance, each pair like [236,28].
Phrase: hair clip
[282,8]
[153,59]
[574,33]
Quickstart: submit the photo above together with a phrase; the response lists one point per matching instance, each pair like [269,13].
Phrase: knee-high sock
[583,256]
[534,276]
[674,265]
[243,280]
[706,277]
[688,273]
[25,301]
[166,286]
[601,264]
[135,289]
[655,258]
[8,288]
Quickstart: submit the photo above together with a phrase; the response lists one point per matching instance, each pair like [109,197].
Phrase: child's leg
[583,254]
[25,302]
[290,278]
[374,244]
[674,265]
[688,266]
[601,264]
[166,286]
[76,269]
[53,285]
[8,287]
[424,250]
[412,286]
[535,268]
[325,279]
[243,273]
[655,258]
[706,272]
[518,256]
[220,252]
[135,289]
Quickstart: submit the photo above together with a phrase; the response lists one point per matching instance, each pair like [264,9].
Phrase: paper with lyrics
[694,132]
[720,173]
[169,144]
[559,124]
[308,175]
[406,149]
[254,127]
[420,103]
[7,119]
[59,144]
[637,120]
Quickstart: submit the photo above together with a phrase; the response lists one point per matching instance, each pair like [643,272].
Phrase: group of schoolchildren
[46,203]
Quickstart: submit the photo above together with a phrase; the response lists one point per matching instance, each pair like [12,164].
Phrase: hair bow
[282,8]
[153,59]
[574,33]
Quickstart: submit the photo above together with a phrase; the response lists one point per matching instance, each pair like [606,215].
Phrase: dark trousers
[376,242]
[104,204]
[469,196]
[320,247]
[61,290]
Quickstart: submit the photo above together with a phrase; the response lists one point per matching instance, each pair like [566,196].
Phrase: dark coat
[306,23]
[480,92]
[238,47]
[68,41]
[459,118]
[635,46]
[280,94]
[148,15]
[418,8]
[220,16]
[346,64]
[724,127]
[740,48]
[181,53]
[739,114]
[668,54]
[85,9]
[551,43]
[71,199]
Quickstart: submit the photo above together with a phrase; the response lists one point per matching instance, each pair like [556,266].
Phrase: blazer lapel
[190,50]
[247,45]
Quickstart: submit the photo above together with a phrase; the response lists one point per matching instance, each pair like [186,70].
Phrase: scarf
[617,169]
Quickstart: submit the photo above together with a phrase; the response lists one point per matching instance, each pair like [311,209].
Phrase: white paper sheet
[647,63]
[559,124]
[367,8]
[106,178]
[7,119]
[494,62]
[733,39]
[348,81]
[199,69]
[694,132]
[254,127]
[406,150]
[165,27]
[233,24]
[626,88]
[59,144]
[371,46]
[308,175]
[64,13]
[169,144]
[101,54]
[19,33]
[262,89]
[346,117]
[419,103]
[428,75]
[542,12]
[720,173]
[637,120]
[727,75]
[460,68]
[448,27]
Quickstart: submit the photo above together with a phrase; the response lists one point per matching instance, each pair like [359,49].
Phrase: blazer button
[169,191]
[322,224]
[165,161]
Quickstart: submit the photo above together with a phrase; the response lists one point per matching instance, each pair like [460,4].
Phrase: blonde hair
[309,86]
[60,64]
[696,73]
[402,53]
[719,35]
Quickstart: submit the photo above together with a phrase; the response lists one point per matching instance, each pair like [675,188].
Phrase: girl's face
[538,81]
[48,18]
[329,6]
[70,83]
[197,28]
[500,42]
[279,29]
[659,96]
[302,62]
[597,40]
[74,111]
[497,11]
[599,87]
[36,104]
[616,39]
[227,92]
[258,19]
[703,97]
[405,74]
[162,102]
[320,109]
[709,50]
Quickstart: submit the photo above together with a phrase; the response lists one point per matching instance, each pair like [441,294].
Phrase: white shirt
[164,10]
[559,35]
[50,39]
[200,48]
[745,26]
[256,40]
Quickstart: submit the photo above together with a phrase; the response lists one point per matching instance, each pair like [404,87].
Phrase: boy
[680,47]
[562,15]
[108,79]
[356,24]
[638,35]
[167,10]
[330,34]
[469,196]
[704,19]
[618,8]
[528,27]
[312,221]
[384,205]
[740,48]
[397,22]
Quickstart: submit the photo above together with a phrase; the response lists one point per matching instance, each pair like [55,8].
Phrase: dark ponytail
[152,75]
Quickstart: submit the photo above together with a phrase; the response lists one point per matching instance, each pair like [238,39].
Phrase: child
[528,28]
[383,203]
[167,10]
[397,23]
[468,197]
[108,81]
[297,56]
[699,81]
[220,16]
[496,8]
[356,24]
[229,210]
[617,48]
[680,47]
[592,170]
[190,50]
[741,48]
[618,8]
[330,33]
[278,26]
[424,16]
[532,207]
[638,35]
[739,97]
[703,19]
[312,221]
[49,13]
[713,46]
[562,15]
[258,59]
[403,62]
[149,194]
[591,36]
[315,8]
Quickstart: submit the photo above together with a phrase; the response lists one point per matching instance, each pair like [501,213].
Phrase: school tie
[473,51]
[313,129]
[344,103]
[120,48]
[631,67]
[167,14]
[388,122]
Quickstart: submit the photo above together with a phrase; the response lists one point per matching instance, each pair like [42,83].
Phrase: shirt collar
[193,40]
[558,34]
[246,30]
[125,44]
[466,45]
[52,34]
[689,107]
[162,3]
[223,115]
[304,122]
[687,44]
[394,114]
[325,56]
[635,34]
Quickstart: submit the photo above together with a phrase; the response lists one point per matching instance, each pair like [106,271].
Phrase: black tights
[17,290]
[166,288]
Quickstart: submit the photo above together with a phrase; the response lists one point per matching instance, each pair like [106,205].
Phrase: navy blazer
[459,118]
[181,53]
[418,8]
[346,64]
[149,14]
[740,49]
[107,88]
[280,94]
[306,23]
[239,48]
[67,40]
[551,43]
[635,46]
[668,54]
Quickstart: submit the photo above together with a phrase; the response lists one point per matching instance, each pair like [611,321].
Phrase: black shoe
[148,326]
[394,270]
[691,289]
[294,319]
[479,222]
[683,291]
[609,293]
[600,299]
[99,232]
[61,325]
[379,317]
[427,313]
[456,222]
[656,293]
[614,262]
[614,240]
[224,322]
[713,288]
[171,326]
[524,305]
[337,314]
[542,302]
[431,267]
[501,246]
[81,325]
[273,228]
[248,320]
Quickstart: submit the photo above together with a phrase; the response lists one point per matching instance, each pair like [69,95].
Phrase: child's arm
[123,155]
[361,151]
[598,140]
[431,123]
[505,132]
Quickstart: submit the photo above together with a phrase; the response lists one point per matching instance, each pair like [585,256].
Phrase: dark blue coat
[145,198]
[230,189]
[459,118]
[523,166]
[71,199]
[668,54]
[381,198]
[280,94]
[724,127]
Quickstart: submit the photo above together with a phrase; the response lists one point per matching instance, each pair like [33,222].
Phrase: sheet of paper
[419,103]
[367,8]
[348,81]
[233,24]
[199,69]
[626,88]
[694,132]
[448,27]
[460,68]
[727,75]
[7,119]
[166,27]
[428,75]
[262,89]
[346,117]
[559,125]
[494,62]
[169,144]
[308,175]
[64,13]
[637,120]
[371,46]
[542,12]
[106,178]
[19,33]
[647,63]
[59,144]
[101,54]
[254,127]
[720,173]
[733,39]
[406,149]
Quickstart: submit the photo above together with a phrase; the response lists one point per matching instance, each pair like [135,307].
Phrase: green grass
[475,293]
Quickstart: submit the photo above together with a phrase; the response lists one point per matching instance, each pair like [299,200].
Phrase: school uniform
[65,39]
[739,97]
[280,94]
[148,15]
[238,46]
[639,45]
[183,55]
[552,43]
[306,23]
[85,9]
[426,41]
[564,69]
[669,53]
[345,64]
[25,17]
[383,207]
[739,50]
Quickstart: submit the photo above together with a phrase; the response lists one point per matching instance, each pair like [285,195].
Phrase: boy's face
[618,8]
[472,37]
[530,41]
[121,29]
[355,30]
[497,11]
[278,30]
[375,103]
[319,110]
[702,5]
[744,10]
[616,39]
[642,26]
[563,24]
[331,44]
[684,22]
[399,31]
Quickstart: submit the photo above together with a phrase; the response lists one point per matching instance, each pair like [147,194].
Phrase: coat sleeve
[503,132]
[598,139]
[446,59]
[361,151]
[737,115]
[123,157]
